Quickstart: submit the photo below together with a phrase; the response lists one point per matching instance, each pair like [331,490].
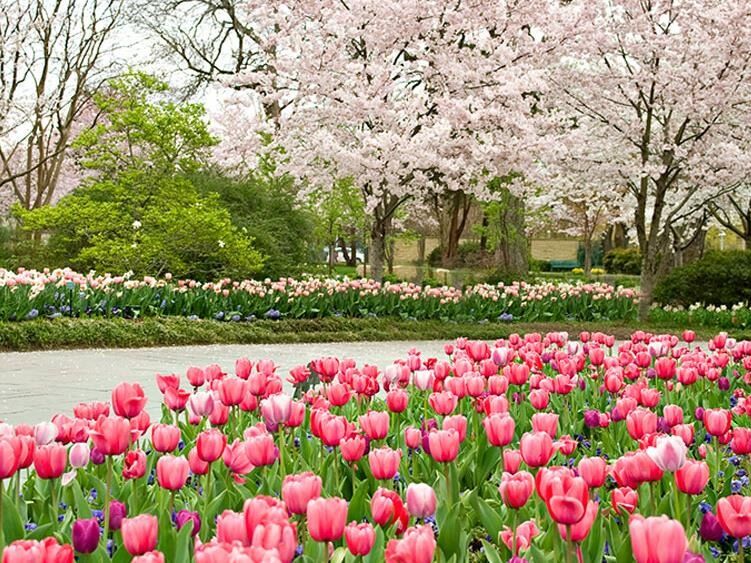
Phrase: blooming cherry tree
[659,87]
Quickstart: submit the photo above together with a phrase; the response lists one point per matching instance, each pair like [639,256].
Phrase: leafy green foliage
[623,261]
[264,207]
[139,211]
[718,278]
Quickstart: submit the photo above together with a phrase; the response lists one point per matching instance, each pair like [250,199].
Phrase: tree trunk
[390,250]
[647,283]
[377,250]
[484,235]
[345,251]
[332,261]
[511,253]
[459,205]
[588,254]
[353,250]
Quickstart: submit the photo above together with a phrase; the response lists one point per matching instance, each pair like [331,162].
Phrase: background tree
[139,210]
[53,56]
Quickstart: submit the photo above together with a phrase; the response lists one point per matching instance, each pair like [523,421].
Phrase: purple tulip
[592,418]
[723,383]
[710,528]
[699,413]
[185,516]
[118,511]
[693,558]
[85,535]
[96,457]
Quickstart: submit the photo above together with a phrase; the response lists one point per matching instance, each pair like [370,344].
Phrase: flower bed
[65,293]
[533,448]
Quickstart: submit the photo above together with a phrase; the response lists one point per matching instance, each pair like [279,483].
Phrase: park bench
[563,265]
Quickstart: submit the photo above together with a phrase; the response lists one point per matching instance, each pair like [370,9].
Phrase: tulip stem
[282,445]
[568,544]
[741,551]
[206,500]
[513,533]
[107,485]
[2,535]
[53,498]
[717,458]
[448,482]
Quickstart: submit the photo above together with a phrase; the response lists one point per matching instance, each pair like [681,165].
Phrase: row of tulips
[30,294]
[533,448]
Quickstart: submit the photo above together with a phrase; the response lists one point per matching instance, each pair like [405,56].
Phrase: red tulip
[134,465]
[734,514]
[657,539]
[593,470]
[517,488]
[298,490]
[128,399]
[375,424]
[536,448]
[50,461]
[165,437]
[717,421]
[499,429]
[421,500]
[416,546]
[140,533]
[111,435]
[172,472]
[384,462]
[326,518]
[444,445]
[360,538]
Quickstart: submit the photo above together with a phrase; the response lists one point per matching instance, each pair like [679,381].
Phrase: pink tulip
[536,448]
[232,390]
[412,437]
[134,464]
[172,472]
[734,514]
[421,500]
[499,429]
[384,462]
[243,367]
[443,403]
[298,490]
[516,488]
[111,435]
[717,421]
[128,399]
[353,448]
[50,461]
[201,403]
[230,527]
[140,533]
[512,459]
[276,410]
[196,464]
[165,437]
[657,539]
[396,400]
[262,450]
[359,537]
[669,453]
[326,518]
[375,424]
[416,546]
[444,445]
[210,445]
[692,477]
[545,422]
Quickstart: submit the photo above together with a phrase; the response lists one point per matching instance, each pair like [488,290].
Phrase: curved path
[36,385]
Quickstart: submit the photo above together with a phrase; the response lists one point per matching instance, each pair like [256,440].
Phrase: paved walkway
[36,385]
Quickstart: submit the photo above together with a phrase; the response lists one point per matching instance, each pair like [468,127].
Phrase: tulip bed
[534,448]
[30,294]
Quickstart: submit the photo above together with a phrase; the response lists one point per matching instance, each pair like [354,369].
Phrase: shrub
[623,261]
[719,278]
[539,265]
[468,255]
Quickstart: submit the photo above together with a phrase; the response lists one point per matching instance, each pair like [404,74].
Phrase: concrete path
[36,385]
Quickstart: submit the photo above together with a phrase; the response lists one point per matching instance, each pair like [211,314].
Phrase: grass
[175,331]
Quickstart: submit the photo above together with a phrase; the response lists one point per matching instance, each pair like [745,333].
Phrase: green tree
[139,209]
